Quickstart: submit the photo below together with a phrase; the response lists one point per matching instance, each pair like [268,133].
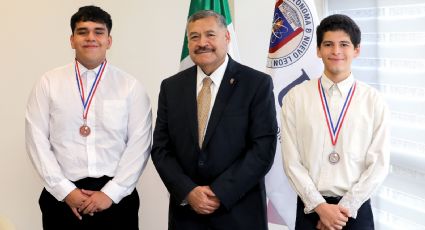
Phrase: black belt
[91,183]
[332,199]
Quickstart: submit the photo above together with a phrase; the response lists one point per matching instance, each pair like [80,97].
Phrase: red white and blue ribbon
[334,130]
[87,101]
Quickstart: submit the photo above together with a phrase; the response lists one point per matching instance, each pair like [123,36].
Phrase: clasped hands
[332,216]
[83,202]
[203,200]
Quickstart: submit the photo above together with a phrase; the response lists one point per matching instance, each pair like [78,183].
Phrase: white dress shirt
[216,77]
[120,120]
[363,143]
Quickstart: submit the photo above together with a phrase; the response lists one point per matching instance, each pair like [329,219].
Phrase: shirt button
[201,163]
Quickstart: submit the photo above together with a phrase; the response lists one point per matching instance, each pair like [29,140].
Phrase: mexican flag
[221,7]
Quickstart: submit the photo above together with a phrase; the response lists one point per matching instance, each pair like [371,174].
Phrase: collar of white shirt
[216,76]
[343,86]
[83,69]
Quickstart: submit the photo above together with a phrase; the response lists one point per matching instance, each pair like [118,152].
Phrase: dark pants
[363,221]
[58,215]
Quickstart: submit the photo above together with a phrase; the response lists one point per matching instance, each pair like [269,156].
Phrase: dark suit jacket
[237,152]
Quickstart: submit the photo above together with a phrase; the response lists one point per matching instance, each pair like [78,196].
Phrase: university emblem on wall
[292,33]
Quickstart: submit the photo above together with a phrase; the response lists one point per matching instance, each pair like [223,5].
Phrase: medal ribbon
[334,131]
[87,102]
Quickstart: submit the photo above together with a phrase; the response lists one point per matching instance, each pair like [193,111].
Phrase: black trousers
[58,215]
[363,221]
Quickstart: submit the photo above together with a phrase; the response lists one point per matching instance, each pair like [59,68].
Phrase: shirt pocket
[115,114]
[356,139]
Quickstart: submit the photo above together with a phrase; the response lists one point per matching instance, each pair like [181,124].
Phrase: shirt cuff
[352,204]
[61,190]
[312,198]
[114,191]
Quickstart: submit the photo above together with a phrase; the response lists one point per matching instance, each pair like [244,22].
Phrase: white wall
[147,40]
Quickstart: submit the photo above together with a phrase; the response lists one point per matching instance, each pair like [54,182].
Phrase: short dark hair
[221,21]
[337,22]
[93,14]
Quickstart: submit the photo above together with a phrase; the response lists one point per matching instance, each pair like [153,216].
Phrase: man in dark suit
[215,135]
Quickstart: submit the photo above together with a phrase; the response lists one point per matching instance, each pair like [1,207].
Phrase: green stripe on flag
[219,6]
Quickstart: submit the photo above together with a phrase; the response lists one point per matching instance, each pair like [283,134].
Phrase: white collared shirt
[120,120]
[363,143]
[216,77]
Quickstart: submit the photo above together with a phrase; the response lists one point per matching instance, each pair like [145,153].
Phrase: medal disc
[84,130]
[333,157]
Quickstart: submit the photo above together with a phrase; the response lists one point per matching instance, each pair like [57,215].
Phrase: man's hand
[97,201]
[75,200]
[203,200]
[321,226]
[331,216]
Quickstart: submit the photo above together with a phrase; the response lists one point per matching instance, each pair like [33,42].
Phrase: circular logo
[292,33]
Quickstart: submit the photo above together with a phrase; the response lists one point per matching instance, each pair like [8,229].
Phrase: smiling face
[337,53]
[207,43]
[90,41]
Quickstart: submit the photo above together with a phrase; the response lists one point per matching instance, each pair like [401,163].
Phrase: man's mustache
[204,49]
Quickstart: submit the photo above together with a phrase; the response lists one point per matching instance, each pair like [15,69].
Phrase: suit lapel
[223,95]
[191,105]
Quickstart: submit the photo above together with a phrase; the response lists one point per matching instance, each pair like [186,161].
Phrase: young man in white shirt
[88,133]
[335,136]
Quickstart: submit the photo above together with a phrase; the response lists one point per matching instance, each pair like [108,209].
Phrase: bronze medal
[85,130]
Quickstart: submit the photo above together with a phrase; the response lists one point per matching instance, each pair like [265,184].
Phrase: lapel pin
[232,80]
